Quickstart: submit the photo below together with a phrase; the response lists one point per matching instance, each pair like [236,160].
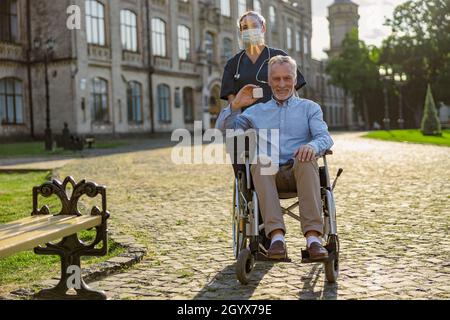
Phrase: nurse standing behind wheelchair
[250,65]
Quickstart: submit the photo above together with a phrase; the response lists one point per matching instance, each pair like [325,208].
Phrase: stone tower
[343,17]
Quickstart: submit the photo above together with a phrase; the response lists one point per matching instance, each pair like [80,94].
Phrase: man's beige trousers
[299,177]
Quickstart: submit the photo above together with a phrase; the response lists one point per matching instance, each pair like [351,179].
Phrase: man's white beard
[287,96]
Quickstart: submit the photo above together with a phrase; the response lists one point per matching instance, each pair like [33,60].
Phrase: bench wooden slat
[48,233]
[23,222]
[31,224]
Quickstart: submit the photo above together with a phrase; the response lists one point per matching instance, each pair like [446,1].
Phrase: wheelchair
[250,243]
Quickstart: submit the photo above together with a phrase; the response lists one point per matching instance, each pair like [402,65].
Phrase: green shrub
[431,125]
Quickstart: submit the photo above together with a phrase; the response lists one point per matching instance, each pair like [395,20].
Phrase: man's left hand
[305,154]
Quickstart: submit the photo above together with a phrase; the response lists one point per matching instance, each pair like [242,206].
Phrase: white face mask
[251,37]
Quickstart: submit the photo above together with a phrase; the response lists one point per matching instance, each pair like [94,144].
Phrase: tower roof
[343,1]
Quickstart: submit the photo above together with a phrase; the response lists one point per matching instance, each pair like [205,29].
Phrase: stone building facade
[134,66]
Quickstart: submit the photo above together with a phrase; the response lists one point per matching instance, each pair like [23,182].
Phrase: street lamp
[46,50]
[386,74]
[400,79]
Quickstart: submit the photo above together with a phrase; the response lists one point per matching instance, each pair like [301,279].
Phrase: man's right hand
[244,98]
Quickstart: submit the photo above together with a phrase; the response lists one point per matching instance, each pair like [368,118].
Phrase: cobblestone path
[393,206]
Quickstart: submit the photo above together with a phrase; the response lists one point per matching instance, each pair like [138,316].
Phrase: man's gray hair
[253,14]
[282,60]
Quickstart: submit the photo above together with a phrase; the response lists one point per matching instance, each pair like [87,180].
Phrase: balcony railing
[162,63]
[11,51]
[99,53]
[186,66]
[132,57]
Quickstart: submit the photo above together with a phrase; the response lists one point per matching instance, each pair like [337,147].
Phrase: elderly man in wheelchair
[302,139]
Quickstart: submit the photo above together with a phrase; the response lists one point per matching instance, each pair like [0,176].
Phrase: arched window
[184,43]
[128,30]
[298,41]
[188,104]
[209,47]
[227,48]
[272,17]
[95,22]
[164,113]
[99,100]
[225,8]
[159,37]
[242,7]
[9,27]
[306,44]
[257,6]
[11,101]
[134,101]
[289,38]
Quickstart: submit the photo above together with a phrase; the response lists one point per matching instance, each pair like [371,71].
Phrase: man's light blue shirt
[299,121]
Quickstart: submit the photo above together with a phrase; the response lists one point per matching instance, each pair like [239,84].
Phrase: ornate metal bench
[39,230]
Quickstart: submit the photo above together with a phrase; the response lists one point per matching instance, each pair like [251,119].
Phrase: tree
[356,73]
[420,46]
[431,125]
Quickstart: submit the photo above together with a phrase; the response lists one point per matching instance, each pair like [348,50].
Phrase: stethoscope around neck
[237,76]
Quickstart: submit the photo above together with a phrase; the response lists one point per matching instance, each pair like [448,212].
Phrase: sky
[371,29]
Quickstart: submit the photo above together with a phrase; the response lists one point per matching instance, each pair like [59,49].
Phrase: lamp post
[386,74]
[46,49]
[400,79]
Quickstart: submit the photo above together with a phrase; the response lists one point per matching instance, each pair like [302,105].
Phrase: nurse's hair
[253,14]
[282,60]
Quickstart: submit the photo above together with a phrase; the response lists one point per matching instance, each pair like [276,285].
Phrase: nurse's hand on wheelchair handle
[244,98]
[305,154]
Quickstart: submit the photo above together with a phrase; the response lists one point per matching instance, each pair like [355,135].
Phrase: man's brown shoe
[317,252]
[277,251]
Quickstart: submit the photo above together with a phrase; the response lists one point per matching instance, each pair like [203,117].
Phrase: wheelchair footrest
[262,257]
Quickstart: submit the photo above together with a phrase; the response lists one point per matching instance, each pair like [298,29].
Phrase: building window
[209,47]
[242,7]
[11,101]
[227,48]
[99,100]
[306,44]
[128,30]
[9,27]
[272,17]
[134,100]
[95,22]
[225,8]
[257,6]
[164,114]
[159,37]
[289,38]
[298,41]
[184,43]
[188,103]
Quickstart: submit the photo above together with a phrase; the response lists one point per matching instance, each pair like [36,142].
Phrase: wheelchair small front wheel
[244,266]
[332,266]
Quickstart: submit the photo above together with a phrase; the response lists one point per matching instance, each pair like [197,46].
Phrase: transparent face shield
[253,36]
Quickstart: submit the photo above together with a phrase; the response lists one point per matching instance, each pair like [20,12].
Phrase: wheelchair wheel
[332,266]
[244,266]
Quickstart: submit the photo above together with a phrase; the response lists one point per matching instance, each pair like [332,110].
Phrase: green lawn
[414,136]
[26,268]
[37,148]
